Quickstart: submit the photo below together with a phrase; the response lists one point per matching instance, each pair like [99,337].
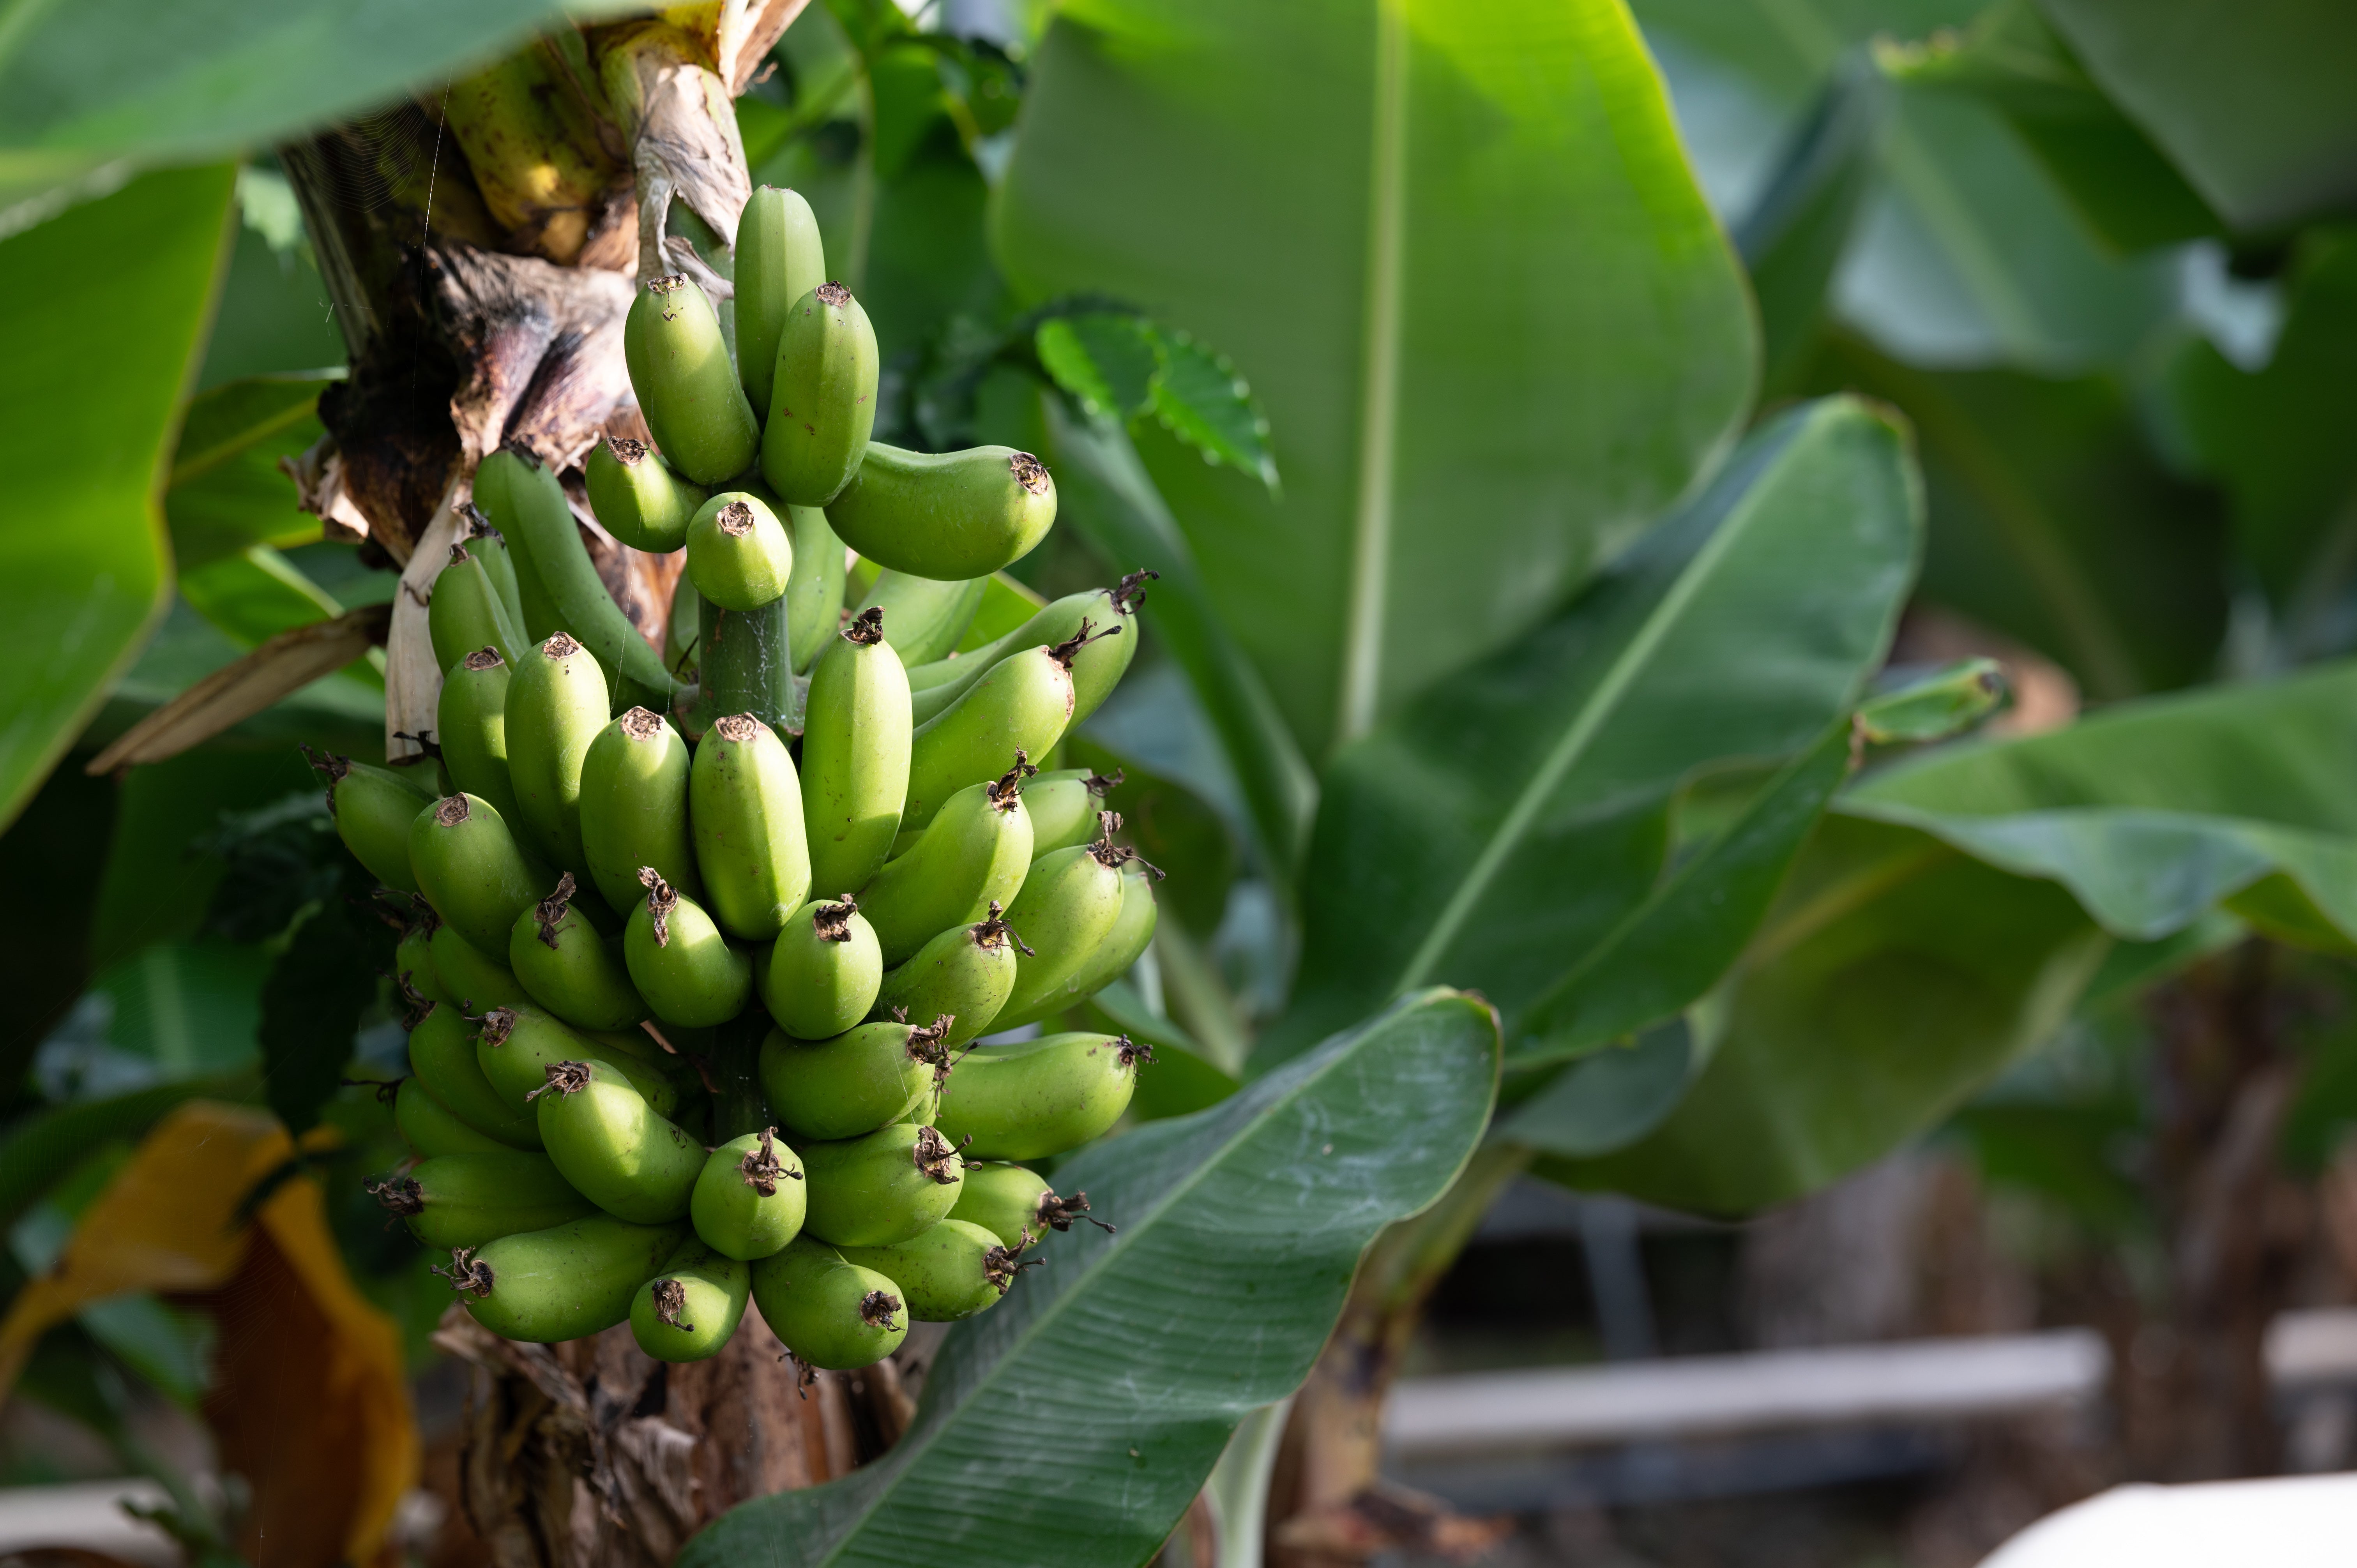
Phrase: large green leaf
[105,312]
[226,492]
[1458,254]
[2252,100]
[1512,818]
[1073,1424]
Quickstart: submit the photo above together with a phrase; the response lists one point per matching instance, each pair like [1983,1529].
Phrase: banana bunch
[624,876]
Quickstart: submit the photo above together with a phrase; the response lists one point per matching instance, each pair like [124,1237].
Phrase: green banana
[413,958]
[952,1271]
[1064,806]
[1016,1205]
[824,971]
[471,978]
[974,854]
[822,397]
[1024,703]
[472,870]
[490,546]
[515,1047]
[1070,902]
[567,1282]
[780,258]
[749,1201]
[1041,1097]
[465,1201]
[556,705]
[855,769]
[678,360]
[431,1128]
[472,719]
[463,613]
[740,555]
[815,591]
[897,1181]
[847,1087]
[682,633]
[958,981]
[746,805]
[636,496]
[1096,670]
[679,961]
[691,1309]
[634,808]
[1132,933]
[927,615]
[442,1055]
[625,1156]
[957,514]
[373,808]
[568,968]
[833,1315]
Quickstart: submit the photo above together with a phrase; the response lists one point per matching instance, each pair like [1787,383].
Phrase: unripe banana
[1024,703]
[680,961]
[683,630]
[854,771]
[1070,902]
[473,872]
[952,1271]
[822,399]
[412,958]
[637,497]
[959,980]
[568,968]
[1064,806]
[472,979]
[746,807]
[1039,1098]
[465,1201]
[567,1282]
[749,1201]
[690,1310]
[851,1085]
[634,808]
[687,389]
[472,719]
[515,1047]
[824,971]
[1132,934]
[1097,667]
[442,1055]
[556,706]
[927,615]
[957,514]
[897,1181]
[1016,1205]
[375,808]
[833,1315]
[739,554]
[431,1128]
[490,546]
[623,1156]
[780,258]
[815,591]
[463,613]
[974,854]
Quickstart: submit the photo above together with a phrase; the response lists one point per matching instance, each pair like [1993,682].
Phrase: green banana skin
[1064,806]
[957,514]
[1023,705]
[637,497]
[780,258]
[849,1085]
[412,960]
[552,567]
[951,1272]
[749,1201]
[687,390]
[464,612]
[568,968]
[974,854]
[624,1156]
[814,590]
[442,1055]
[472,870]
[832,1315]
[1101,664]
[490,546]
[691,1309]
[896,1183]
[472,979]
[1067,908]
[1132,934]
[745,806]
[683,635]
[822,397]
[740,555]
[515,1047]
[854,769]
[432,1129]
[824,971]
[1016,1205]
[556,706]
[472,719]
[634,808]
[373,808]
[1039,1098]
[567,1282]
[927,616]
[680,963]
[959,980]
[465,1201]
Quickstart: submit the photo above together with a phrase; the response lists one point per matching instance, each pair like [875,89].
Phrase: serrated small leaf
[1199,398]
[1106,361]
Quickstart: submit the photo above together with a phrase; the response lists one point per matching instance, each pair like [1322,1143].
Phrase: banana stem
[748,667]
